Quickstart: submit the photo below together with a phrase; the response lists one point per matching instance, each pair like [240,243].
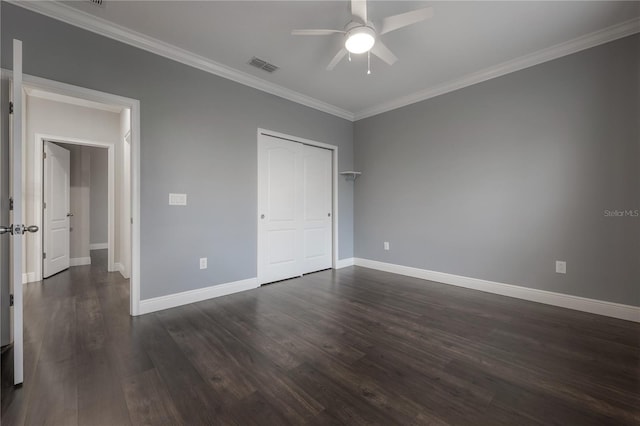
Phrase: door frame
[38,167]
[334,189]
[134,106]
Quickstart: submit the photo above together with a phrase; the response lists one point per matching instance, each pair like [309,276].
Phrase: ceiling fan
[360,36]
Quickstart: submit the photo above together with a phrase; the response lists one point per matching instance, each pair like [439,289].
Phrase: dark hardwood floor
[353,346]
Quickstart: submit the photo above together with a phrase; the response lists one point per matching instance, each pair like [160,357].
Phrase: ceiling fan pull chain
[349,56]
[368,63]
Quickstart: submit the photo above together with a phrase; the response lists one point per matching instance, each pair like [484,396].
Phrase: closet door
[317,209]
[280,196]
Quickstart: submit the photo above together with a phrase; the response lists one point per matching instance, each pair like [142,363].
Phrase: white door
[317,209]
[17,228]
[57,188]
[280,194]
[294,209]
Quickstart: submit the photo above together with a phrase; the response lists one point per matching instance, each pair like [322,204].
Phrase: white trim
[343,263]
[79,261]
[38,190]
[72,16]
[334,172]
[193,296]
[134,106]
[119,267]
[586,41]
[600,307]
[49,96]
[75,17]
[28,277]
[98,246]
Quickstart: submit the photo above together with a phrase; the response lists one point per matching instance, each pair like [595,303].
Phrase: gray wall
[498,180]
[99,213]
[198,137]
[80,200]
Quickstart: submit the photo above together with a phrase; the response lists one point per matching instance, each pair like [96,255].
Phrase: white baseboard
[28,277]
[79,261]
[192,296]
[119,267]
[343,263]
[98,246]
[600,307]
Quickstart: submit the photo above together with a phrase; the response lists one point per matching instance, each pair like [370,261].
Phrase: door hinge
[44,255]
[10,107]
[10,203]
[11,300]
[44,155]
[45,205]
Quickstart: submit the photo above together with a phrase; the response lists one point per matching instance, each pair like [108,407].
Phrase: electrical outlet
[203,263]
[561,267]
[386,245]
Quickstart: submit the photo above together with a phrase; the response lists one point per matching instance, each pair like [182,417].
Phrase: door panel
[15,147]
[279,205]
[57,188]
[318,214]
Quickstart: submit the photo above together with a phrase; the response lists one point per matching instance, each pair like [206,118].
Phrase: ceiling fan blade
[392,23]
[315,32]
[336,59]
[382,51]
[359,10]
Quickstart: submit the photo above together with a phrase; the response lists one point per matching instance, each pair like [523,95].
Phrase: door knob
[69,214]
[32,229]
[5,229]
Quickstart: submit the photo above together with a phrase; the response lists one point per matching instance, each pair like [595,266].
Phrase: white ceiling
[461,39]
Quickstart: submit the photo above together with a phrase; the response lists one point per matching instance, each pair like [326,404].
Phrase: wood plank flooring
[353,346]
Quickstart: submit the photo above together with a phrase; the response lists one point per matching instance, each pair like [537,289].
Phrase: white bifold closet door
[295,209]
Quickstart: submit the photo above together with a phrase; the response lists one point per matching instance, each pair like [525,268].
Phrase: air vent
[263,65]
[97,2]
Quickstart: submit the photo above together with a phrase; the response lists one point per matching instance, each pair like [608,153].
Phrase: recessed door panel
[282,184]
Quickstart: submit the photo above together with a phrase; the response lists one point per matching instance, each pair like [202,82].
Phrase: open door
[57,200]
[17,228]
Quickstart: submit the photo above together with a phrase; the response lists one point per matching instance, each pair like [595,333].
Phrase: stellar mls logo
[622,213]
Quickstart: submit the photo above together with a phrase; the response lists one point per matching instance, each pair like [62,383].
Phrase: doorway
[297,206]
[78,208]
[123,151]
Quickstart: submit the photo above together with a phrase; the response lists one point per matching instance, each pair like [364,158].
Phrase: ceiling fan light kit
[360,40]
[361,36]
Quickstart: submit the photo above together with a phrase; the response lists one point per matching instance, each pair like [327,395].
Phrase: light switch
[177,199]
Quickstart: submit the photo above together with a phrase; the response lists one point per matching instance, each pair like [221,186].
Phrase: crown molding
[587,41]
[78,18]
[122,34]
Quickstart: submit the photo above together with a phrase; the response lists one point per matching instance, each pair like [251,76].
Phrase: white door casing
[134,106]
[317,209]
[295,208]
[57,188]
[280,209]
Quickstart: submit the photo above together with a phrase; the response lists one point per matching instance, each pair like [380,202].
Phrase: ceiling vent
[263,65]
[97,2]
